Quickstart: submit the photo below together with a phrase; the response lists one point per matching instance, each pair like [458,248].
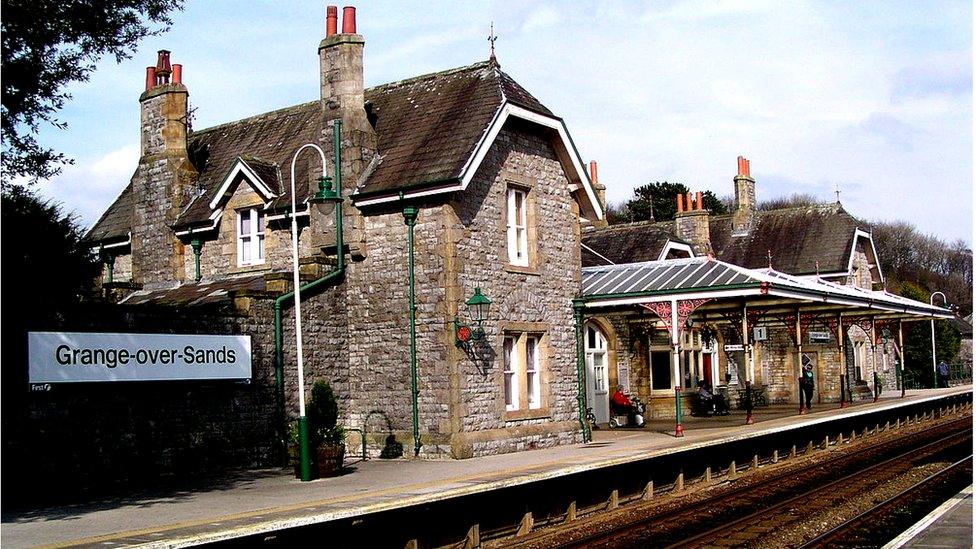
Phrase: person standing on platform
[806,385]
[943,370]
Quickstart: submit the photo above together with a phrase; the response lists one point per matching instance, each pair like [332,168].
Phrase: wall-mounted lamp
[478,306]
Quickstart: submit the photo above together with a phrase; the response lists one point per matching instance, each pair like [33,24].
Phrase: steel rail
[788,473]
[843,531]
[843,483]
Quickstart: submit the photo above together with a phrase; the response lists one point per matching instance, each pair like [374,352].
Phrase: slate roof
[427,128]
[796,238]
[626,243]
[116,222]
[197,294]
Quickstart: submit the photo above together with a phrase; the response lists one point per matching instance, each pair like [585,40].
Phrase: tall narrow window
[518,239]
[532,371]
[250,237]
[511,382]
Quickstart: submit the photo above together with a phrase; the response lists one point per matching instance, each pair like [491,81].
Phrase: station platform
[950,525]
[256,502]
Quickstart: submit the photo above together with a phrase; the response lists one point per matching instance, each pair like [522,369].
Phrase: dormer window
[250,237]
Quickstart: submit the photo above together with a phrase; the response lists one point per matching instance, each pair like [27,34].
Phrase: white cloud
[815,94]
[89,186]
[541,18]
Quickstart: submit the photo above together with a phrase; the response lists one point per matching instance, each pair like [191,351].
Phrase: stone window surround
[522,331]
[526,185]
[256,236]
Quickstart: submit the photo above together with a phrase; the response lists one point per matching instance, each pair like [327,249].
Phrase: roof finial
[837,191]
[817,263]
[769,257]
[491,40]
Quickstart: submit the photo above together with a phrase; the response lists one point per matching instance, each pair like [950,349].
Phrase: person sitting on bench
[705,399]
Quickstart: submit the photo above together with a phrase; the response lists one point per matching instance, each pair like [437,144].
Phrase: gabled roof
[797,239]
[429,129]
[627,243]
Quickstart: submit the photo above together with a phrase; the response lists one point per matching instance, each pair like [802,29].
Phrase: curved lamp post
[304,452]
[935,374]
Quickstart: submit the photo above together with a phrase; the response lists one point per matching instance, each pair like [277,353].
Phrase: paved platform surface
[951,525]
[266,500]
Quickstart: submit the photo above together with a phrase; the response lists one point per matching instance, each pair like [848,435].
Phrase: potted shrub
[326,438]
[293,457]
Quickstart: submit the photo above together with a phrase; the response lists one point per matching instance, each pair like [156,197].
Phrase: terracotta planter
[329,459]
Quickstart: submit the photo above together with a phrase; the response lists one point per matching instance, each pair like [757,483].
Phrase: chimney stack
[745,199]
[165,180]
[601,192]
[691,223]
[342,98]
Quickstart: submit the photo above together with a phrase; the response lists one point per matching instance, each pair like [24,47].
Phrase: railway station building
[452,185]
[751,296]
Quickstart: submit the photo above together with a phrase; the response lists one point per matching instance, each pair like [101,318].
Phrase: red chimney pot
[743,166]
[177,73]
[348,20]
[698,200]
[681,202]
[331,20]
[593,177]
[150,78]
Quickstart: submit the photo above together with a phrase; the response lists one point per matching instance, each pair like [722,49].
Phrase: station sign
[70,357]
[733,348]
[819,337]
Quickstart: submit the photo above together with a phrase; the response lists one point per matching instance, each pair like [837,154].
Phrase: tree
[47,266]
[926,261]
[918,340]
[48,44]
[792,201]
[656,201]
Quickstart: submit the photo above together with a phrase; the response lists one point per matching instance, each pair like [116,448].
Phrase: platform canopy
[713,284]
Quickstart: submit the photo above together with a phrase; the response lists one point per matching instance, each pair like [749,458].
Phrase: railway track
[742,510]
[887,519]
[754,528]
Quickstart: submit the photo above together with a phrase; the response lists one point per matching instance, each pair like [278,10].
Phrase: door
[597,391]
[707,369]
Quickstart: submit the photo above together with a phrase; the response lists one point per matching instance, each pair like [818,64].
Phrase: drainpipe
[410,219]
[328,278]
[581,388]
[197,245]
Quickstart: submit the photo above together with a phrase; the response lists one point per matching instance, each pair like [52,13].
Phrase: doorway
[597,390]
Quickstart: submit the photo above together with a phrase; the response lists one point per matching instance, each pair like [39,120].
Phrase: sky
[870,98]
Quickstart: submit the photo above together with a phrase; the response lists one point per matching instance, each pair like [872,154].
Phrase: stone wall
[529,299]
[860,274]
[780,367]
[459,246]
